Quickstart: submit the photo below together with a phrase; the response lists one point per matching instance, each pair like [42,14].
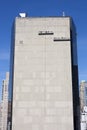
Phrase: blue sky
[9,9]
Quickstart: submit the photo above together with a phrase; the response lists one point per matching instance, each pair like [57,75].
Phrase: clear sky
[9,9]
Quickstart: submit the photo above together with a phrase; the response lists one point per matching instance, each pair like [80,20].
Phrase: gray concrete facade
[4,103]
[42,84]
[83,94]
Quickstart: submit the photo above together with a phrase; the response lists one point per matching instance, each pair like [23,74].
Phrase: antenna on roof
[63,14]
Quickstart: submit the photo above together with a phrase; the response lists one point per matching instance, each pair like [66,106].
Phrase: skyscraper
[83,94]
[4,103]
[44,74]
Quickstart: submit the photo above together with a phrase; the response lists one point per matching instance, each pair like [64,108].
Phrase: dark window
[45,33]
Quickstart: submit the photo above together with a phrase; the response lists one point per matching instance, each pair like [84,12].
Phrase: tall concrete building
[44,74]
[4,103]
[83,94]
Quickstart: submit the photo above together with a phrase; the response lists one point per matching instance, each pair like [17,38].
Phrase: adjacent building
[0,114]
[44,74]
[83,94]
[4,103]
[84,118]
